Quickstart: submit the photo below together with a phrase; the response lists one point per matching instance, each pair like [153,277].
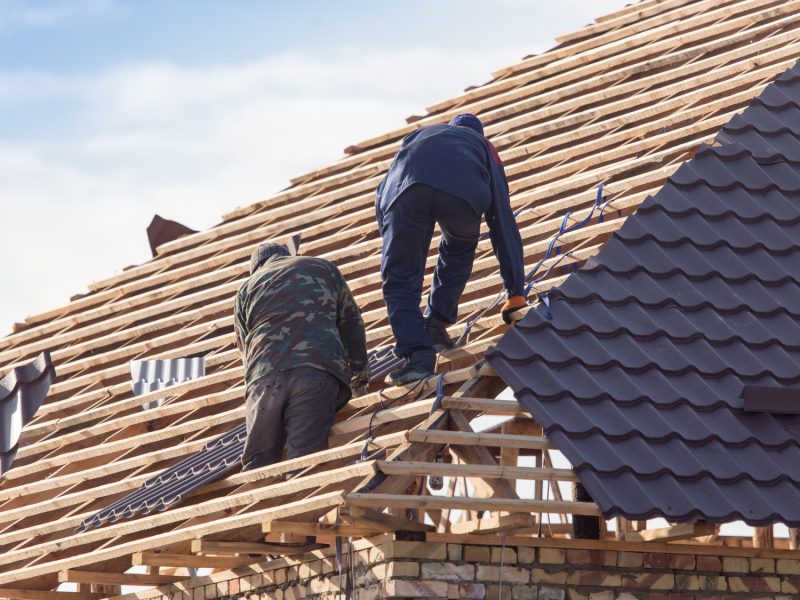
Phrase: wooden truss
[621,102]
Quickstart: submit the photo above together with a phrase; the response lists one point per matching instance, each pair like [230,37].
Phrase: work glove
[512,309]
[359,383]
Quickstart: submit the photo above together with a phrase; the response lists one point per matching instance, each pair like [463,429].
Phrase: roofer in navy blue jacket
[450,175]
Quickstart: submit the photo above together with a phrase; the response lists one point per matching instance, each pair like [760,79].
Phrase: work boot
[436,333]
[419,365]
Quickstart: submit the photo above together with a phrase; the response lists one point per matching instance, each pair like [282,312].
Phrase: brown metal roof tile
[639,367]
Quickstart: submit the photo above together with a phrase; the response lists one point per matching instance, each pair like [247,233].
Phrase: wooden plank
[491,440]
[184,533]
[122,319]
[127,305]
[479,455]
[322,529]
[200,423]
[372,518]
[129,483]
[682,531]
[20,594]
[441,502]
[422,452]
[619,19]
[235,480]
[560,74]
[681,62]
[86,387]
[618,27]
[177,408]
[493,524]
[510,456]
[177,515]
[485,405]
[99,577]
[763,537]
[473,470]
[166,559]
[388,415]
[156,341]
[625,26]
[223,547]
[692,47]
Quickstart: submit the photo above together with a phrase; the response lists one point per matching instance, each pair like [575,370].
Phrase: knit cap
[263,252]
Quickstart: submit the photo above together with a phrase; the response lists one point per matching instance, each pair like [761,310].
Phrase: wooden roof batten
[623,102]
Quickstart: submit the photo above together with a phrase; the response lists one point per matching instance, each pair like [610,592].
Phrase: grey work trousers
[295,407]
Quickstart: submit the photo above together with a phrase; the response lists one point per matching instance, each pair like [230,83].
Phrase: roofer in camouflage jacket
[302,341]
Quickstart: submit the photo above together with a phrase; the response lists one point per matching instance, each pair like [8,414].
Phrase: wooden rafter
[622,101]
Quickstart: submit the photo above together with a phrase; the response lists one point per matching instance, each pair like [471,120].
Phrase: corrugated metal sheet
[22,392]
[637,370]
[151,375]
[217,458]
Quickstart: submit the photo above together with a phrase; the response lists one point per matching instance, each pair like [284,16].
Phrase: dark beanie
[263,252]
[468,120]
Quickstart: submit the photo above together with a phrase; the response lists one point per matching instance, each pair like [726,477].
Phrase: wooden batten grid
[622,102]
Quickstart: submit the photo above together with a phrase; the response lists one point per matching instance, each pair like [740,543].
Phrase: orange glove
[512,309]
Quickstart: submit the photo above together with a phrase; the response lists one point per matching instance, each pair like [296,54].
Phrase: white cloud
[187,143]
[26,14]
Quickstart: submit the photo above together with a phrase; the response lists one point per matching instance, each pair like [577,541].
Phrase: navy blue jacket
[461,162]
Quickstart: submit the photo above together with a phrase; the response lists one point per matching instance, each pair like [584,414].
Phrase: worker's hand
[359,383]
[512,309]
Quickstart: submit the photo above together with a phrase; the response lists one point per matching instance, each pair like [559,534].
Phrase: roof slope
[637,368]
[623,101]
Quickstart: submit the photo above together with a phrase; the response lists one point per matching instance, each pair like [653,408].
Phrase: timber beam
[19,594]
[322,529]
[441,502]
[166,559]
[219,547]
[101,578]
[682,531]
[374,518]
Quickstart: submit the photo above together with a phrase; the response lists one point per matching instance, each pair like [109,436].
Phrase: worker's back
[455,160]
[287,314]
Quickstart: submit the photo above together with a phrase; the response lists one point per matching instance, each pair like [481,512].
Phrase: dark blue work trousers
[407,229]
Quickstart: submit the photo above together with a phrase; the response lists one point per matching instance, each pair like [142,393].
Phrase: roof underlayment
[623,101]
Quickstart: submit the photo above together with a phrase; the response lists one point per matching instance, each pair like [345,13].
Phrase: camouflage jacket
[298,311]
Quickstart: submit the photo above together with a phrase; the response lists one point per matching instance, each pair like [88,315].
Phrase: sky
[114,110]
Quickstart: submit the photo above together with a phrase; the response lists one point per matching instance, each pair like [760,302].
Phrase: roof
[638,365]
[624,101]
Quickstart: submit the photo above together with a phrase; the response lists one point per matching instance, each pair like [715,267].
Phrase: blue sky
[114,110]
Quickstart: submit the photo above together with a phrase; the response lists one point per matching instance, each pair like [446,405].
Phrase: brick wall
[398,569]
